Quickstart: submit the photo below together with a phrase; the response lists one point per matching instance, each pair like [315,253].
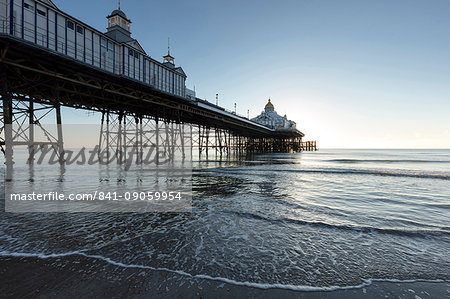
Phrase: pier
[49,60]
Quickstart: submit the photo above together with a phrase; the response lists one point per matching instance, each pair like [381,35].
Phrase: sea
[325,220]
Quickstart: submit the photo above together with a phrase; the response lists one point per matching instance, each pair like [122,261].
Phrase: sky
[351,74]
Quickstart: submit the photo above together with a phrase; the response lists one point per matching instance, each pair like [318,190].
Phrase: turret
[269,107]
[169,60]
[119,26]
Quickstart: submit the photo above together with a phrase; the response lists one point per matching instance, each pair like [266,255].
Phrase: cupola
[269,107]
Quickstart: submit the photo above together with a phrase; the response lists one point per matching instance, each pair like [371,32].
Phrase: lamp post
[234,108]
[217,99]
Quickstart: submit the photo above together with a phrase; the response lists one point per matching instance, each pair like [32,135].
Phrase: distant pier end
[271,119]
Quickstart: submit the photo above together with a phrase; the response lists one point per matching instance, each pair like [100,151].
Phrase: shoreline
[69,275]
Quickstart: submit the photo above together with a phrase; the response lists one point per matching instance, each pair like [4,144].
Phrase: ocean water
[313,220]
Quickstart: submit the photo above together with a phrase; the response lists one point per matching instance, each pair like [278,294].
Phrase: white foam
[367,282]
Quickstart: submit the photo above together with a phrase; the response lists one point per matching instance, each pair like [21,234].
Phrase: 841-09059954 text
[99,195]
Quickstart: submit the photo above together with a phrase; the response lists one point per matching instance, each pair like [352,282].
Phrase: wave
[387,173]
[365,282]
[391,173]
[385,161]
[363,229]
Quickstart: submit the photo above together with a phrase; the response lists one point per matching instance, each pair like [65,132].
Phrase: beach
[89,278]
[327,224]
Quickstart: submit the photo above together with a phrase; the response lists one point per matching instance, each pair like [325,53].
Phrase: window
[130,52]
[70,25]
[110,47]
[27,6]
[103,47]
[79,29]
[42,13]
[136,55]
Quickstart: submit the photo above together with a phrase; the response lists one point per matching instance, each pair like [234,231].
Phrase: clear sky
[352,74]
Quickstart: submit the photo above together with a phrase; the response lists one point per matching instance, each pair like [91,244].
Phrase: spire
[168,58]
[168,46]
[119,4]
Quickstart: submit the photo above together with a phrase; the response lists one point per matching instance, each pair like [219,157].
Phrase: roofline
[98,31]
[51,2]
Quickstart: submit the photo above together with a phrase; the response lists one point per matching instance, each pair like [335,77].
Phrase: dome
[269,105]
[119,13]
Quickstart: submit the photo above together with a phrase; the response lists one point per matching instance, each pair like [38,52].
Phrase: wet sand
[79,276]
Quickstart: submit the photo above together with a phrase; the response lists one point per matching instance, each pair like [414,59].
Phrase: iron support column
[7,120]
